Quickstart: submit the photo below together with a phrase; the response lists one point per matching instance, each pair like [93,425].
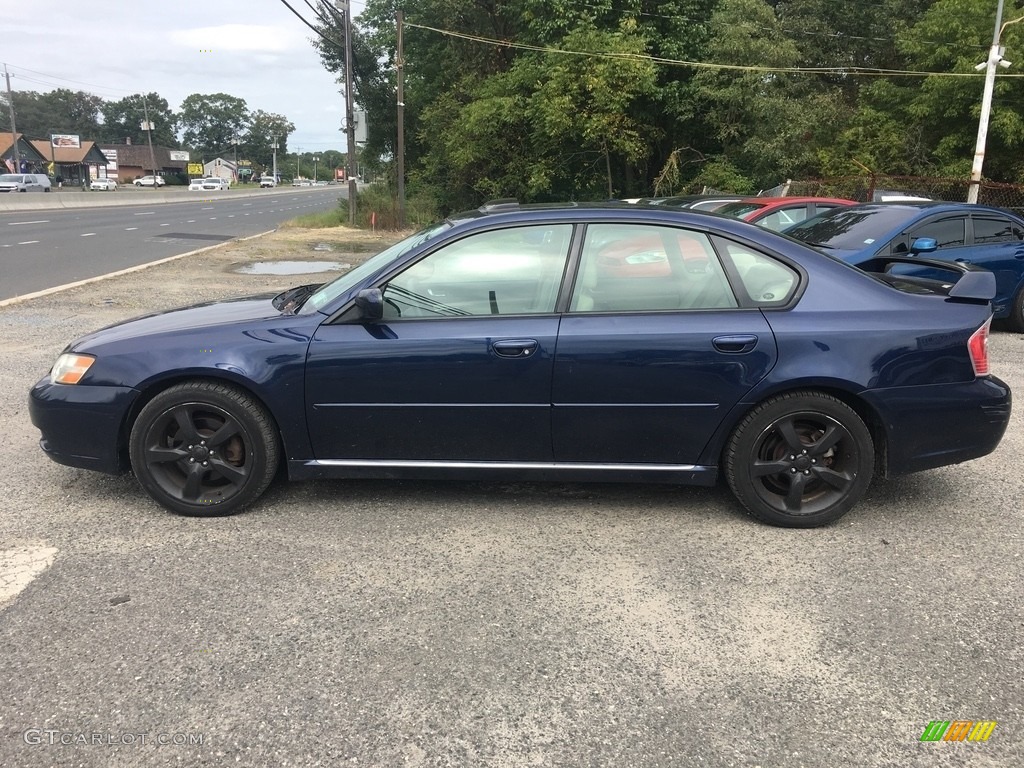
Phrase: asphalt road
[492,624]
[40,249]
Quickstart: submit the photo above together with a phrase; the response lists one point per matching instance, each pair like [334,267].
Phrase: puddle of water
[323,247]
[291,267]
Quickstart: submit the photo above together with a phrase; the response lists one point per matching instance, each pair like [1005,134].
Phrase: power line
[643,57]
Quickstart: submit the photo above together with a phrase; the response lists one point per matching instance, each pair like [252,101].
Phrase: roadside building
[72,164]
[32,161]
[221,168]
[127,162]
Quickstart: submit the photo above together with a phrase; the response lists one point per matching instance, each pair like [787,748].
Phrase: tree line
[208,124]
[584,99]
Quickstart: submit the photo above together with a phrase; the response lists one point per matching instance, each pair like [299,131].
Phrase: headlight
[69,369]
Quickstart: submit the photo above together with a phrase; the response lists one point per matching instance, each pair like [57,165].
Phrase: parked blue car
[567,343]
[990,238]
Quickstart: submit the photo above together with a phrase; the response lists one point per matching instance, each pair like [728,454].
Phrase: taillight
[977,345]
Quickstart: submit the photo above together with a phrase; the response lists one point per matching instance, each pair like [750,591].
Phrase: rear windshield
[850,229]
[738,210]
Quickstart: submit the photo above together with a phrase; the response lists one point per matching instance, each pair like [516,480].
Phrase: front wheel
[204,449]
[800,460]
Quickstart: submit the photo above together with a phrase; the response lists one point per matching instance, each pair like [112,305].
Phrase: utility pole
[274,147]
[316,159]
[400,148]
[14,127]
[149,138]
[995,58]
[298,162]
[350,125]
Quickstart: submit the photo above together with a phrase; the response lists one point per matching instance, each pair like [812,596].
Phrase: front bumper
[934,426]
[82,426]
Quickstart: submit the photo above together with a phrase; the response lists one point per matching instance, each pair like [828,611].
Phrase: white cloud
[236,37]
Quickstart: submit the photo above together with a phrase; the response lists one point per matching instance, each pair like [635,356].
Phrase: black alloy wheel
[204,449]
[800,460]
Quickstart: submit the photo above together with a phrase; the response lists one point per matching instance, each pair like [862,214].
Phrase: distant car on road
[267,182]
[779,213]
[24,182]
[149,181]
[108,185]
[211,183]
[986,237]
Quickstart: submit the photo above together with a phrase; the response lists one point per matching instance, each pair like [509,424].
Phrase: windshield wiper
[293,298]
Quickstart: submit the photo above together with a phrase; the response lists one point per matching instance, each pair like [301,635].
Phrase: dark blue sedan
[991,238]
[555,343]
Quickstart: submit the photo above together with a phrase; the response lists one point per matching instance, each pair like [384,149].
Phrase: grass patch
[336,217]
[374,202]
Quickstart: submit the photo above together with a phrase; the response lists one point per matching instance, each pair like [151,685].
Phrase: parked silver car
[24,182]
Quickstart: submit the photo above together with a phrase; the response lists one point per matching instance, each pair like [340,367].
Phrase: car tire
[800,460]
[1015,320]
[204,449]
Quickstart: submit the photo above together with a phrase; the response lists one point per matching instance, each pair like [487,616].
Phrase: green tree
[61,111]
[263,129]
[123,119]
[210,122]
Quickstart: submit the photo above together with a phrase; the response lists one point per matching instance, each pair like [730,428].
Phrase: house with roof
[73,162]
[32,161]
[127,162]
[222,168]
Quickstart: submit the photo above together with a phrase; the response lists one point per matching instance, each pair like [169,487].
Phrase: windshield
[850,229]
[10,177]
[340,285]
[738,210]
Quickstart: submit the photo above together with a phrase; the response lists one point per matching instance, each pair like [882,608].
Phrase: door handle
[515,347]
[963,261]
[735,345]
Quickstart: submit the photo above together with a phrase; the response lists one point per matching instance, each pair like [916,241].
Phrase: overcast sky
[253,49]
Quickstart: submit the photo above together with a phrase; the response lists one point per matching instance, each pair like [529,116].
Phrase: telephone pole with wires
[14,127]
[350,124]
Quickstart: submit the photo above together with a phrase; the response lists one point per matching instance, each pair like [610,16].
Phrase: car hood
[215,313]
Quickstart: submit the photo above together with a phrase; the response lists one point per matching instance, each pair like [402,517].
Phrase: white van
[24,182]
[268,181]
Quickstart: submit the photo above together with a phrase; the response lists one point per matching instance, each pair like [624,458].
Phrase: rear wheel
[800,460]
[204,449]
[1015,320]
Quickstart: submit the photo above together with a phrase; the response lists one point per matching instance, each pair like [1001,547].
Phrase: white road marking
[147,213]
[210,208]
[87,234]
[213,218]
[130,229]
[245,204]
[165,225]
[28,242]
[191,221]
[16,223]
[231,215]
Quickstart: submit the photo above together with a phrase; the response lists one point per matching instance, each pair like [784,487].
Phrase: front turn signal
[69,368]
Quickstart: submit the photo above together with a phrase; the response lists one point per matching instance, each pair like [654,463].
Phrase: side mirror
[923,245]
[370,303]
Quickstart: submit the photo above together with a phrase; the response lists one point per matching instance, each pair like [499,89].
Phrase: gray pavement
[514,624]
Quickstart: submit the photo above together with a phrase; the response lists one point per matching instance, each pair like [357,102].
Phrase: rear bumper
[933,426]
[81,425]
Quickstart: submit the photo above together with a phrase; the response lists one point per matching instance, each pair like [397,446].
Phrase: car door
[997,244]
[655,347]
[459,367]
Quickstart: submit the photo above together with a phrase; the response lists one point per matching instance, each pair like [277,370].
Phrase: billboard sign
[179,156]
[65,140]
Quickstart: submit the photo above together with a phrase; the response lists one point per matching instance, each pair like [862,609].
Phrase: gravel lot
[442,624]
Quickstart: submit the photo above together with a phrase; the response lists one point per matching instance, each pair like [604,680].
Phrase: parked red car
[779,213]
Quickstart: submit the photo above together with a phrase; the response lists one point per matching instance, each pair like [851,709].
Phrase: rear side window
[996,230]
[784,218]
[766,282]
[644,268]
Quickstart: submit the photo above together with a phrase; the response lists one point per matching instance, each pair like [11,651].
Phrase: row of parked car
[897,225]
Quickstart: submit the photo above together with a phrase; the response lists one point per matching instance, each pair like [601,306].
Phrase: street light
[274,147]
[995,59]
[316,159]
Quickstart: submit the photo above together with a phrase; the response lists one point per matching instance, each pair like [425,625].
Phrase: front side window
[640,268]
[512,271]
[779,220]
[947,233]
